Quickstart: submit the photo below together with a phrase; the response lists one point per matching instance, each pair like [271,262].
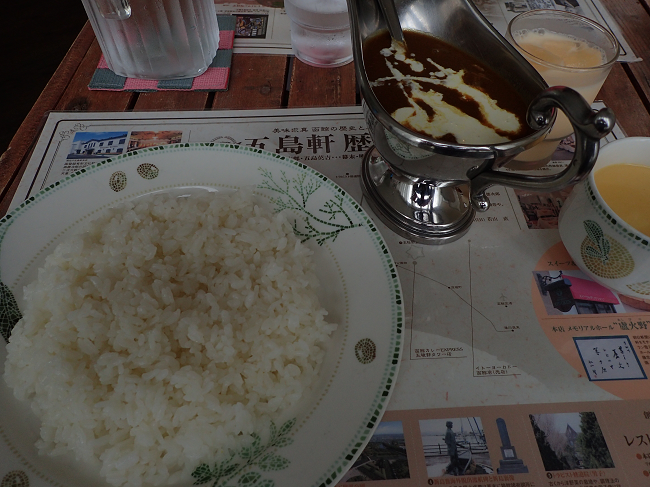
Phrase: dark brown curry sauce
[422,46]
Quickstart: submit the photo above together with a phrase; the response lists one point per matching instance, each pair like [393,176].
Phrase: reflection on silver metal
[389,11]
[397,171]
[419,211]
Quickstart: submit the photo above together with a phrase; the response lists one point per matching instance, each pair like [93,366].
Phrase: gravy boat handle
[589,127]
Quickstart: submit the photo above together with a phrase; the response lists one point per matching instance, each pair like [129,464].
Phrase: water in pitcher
[155,39]
[320,31]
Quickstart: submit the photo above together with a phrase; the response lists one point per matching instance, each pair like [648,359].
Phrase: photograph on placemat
[572,292]
[510,462]
[97,145]
[383,458]
[150,138]
[489,8]
[90,147]
[517,7]
[570,441]
[572,6]
[564,151]
[251,26]
[541,210]
[455,446]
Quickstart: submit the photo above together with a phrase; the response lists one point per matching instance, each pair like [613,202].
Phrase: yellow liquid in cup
[626,190]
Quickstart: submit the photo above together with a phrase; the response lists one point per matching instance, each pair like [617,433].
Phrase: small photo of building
[149,138]
[97,145]
[570,441]
[541,210]
[384,457]
[565,293]
[573,293]
[455,447]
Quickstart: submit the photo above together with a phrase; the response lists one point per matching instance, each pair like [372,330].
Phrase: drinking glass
[155,39]
[320,31]
[567,50]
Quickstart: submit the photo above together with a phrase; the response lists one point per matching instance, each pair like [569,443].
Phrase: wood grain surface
[322,87]
[621,96]
[256,81]
[634,20]
[77,96]
[172,100]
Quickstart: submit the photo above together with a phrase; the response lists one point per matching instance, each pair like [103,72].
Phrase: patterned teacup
[607,245]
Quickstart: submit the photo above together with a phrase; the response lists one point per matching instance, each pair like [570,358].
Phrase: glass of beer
[567,50]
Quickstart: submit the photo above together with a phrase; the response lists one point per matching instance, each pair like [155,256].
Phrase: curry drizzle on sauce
[436,79]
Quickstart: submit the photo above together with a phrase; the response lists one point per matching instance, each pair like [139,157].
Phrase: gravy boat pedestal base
[423,212]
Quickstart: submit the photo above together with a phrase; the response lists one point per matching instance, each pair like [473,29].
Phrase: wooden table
[268,81]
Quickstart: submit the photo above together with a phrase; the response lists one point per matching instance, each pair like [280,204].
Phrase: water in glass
[320,31]
[155,39]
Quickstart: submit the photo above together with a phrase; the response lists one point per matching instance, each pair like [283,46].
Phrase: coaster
[215,77]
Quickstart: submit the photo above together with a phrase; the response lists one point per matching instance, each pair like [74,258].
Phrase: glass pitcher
[155,39]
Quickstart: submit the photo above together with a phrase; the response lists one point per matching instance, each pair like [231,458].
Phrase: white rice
[168,330]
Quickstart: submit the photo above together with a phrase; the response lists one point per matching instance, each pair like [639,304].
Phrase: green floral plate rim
[346,243]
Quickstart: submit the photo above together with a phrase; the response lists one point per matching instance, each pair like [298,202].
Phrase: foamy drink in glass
[567,50]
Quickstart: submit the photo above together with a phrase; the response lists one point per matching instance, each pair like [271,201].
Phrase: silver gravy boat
[429,190]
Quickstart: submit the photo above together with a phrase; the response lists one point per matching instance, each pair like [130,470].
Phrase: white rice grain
[168,330]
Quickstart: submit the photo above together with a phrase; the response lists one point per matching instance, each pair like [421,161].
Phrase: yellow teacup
[605,222]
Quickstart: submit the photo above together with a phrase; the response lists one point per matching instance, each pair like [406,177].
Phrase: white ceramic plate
[360,289]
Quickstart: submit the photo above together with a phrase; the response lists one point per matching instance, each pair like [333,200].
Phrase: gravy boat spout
[429,189]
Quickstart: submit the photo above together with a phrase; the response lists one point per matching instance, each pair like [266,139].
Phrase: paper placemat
[215,77]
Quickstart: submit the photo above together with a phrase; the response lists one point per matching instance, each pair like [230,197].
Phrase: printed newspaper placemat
[518,370]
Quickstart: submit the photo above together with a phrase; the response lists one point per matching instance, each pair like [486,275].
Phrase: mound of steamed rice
[165,332]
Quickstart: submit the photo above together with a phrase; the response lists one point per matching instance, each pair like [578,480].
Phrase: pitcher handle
[589,127]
